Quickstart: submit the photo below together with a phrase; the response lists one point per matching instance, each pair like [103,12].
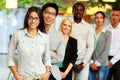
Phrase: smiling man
[56,40]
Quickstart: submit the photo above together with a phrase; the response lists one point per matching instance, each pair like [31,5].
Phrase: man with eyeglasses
[56,40]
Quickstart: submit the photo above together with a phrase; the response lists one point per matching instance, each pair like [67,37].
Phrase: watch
[83,64]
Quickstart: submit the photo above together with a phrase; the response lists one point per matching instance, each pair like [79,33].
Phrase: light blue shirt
[96,37]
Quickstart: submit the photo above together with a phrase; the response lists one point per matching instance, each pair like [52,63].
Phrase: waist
[33,78]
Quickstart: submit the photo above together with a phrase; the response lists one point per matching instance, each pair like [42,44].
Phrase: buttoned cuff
[91,61]
[97,63]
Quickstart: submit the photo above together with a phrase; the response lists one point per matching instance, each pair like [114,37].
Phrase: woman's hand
[18,77]
[63,75]
[93,67]
[45,76]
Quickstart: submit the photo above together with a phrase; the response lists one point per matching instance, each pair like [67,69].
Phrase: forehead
[115,12]
[51,9]
[66,22]
[78,6]
[99,14]
[33,14]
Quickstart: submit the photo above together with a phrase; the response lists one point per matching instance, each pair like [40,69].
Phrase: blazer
[102,50]
[70,56]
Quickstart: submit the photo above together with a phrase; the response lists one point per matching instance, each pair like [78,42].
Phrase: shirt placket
[32,56]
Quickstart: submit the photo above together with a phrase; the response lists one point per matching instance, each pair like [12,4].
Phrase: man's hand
[110,64]
[78,68]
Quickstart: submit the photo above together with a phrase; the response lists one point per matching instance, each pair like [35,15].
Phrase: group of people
[76,51]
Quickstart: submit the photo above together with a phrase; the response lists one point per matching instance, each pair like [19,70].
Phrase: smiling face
[78,11]
[33,20]
[99,19]
[49,15]
[66,26]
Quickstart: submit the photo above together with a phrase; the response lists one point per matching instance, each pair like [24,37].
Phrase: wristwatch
[83,64]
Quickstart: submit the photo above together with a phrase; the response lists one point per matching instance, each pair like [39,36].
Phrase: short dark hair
[116,9]
[78,3]
[101,12]
[39,12]
[53,5]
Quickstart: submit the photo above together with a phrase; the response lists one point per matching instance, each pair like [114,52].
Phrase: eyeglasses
[34,18]
[51,13]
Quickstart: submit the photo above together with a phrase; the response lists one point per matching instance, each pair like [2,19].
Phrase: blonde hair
[63,20]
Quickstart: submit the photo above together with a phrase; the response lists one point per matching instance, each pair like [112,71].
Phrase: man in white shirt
[83,32]
[114,56]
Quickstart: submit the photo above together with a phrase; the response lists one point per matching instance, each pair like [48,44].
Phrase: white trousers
[83,74]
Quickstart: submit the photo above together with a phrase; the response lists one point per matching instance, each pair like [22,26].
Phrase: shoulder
[108,32]
[43,35]
[56,32]
[17,32]
[73,39]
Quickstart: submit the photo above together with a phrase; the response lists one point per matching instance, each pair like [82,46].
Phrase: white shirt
[115,43]
[83,32]
[33,53]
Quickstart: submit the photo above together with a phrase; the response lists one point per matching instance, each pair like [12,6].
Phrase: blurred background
[12,14]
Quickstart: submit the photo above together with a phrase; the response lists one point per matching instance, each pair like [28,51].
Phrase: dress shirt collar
[82,22]
[26,32]
[118,26]
[51,27]
[103,30]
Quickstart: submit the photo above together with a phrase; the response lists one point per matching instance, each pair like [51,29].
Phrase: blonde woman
[70,50]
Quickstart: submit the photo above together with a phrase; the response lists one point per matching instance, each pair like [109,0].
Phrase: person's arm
[102,58]
[89,45]
[15,73]
[10,57]
[65,73]
[60,51]
[46,61]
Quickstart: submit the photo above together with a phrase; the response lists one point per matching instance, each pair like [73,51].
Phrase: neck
[98,29]
[66,37]
[77,20]
[32,32]
[114,25]
[47,27]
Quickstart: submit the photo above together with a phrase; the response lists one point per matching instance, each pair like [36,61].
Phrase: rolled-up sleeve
[11,50]
[47,58]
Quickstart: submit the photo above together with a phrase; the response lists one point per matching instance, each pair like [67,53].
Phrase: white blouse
[33,53]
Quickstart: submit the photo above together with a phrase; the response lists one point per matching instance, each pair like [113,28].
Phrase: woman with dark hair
[102,40]
[41,26]
[33,49]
